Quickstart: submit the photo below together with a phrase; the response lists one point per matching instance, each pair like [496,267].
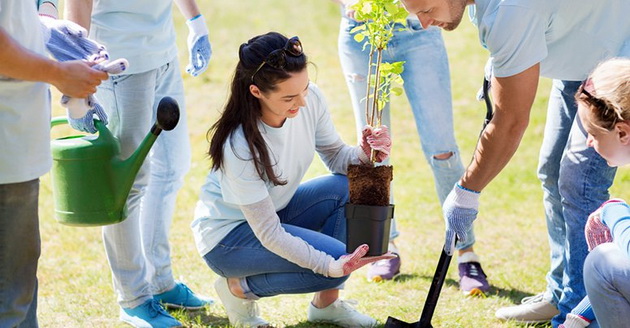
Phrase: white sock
[468,257]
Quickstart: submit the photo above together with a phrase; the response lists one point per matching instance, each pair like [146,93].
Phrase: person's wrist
[197,25]
[464,197]
[335,269]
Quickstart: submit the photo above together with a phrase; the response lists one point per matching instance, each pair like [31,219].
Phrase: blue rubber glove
[460,210]
[198,45]
[66,41]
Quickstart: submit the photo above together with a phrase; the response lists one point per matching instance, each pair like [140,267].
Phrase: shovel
[432,297]
[445,259]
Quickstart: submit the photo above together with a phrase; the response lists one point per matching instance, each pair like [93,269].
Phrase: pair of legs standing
[427,86]
[20,248]
[137,248]
[575,182]
[315,214]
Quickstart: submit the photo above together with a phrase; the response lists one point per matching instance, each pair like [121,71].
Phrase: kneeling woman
[257,226]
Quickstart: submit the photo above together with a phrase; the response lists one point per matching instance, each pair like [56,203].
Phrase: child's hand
[595,231]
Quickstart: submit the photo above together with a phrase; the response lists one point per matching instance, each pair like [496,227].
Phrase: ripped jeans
[428,89]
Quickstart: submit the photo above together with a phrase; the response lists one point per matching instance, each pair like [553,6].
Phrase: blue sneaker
[148,315]
[181,297]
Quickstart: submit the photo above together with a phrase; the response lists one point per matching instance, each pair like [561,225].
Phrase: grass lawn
[74,278]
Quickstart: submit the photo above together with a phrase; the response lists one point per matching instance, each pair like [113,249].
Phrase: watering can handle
[58,120]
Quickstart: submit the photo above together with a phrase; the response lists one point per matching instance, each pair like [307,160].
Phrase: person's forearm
[188,8]
[79,11]
[513,98]
[265,224]
[20,63]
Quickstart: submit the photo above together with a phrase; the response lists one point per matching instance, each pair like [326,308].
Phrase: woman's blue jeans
[315,214]
[575,181]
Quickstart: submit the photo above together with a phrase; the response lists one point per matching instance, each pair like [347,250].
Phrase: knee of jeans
[602,263]
[340,188]
[448,160]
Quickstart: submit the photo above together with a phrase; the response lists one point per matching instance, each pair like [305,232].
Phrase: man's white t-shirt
[292,147]
[139,30]
[24,105]
[568,37]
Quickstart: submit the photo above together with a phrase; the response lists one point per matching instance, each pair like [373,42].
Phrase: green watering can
[90,181]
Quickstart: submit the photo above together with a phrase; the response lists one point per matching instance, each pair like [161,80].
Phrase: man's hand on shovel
[351,262]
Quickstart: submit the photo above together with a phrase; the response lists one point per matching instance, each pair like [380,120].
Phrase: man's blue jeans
[575,181]
[316,214]
[427,85]
[19,252]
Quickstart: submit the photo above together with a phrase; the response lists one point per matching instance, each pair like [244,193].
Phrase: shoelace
[473,270]
[348,305]
[186,290]
[156,309]
[532,299]
[252,308]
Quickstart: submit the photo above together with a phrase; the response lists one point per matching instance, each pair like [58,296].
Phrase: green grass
[75,281]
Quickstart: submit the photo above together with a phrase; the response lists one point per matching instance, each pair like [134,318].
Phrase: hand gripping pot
[90,181]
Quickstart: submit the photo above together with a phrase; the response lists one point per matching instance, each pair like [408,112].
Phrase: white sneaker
[532,309]
[340,313]
[241,312]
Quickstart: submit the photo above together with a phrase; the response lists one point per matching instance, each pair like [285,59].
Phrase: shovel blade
[396,323]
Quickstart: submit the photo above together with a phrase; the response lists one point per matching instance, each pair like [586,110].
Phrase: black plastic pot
[368,225]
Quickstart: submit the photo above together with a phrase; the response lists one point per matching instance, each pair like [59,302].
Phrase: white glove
[198,45]
[81,111]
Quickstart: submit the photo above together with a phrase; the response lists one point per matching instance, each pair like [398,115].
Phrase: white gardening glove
[66,41]
[460,210]
[198,45]
[81,111]
[351,262]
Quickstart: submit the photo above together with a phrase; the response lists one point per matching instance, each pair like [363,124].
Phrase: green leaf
[397,91]
[359,37]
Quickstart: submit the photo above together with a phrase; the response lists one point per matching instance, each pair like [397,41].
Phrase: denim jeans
[20,247]
[316,214]
[575,181]
[138,248]
[427,86]
[607,280]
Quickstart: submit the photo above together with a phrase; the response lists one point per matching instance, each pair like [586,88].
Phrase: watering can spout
[126,170]
[90,181]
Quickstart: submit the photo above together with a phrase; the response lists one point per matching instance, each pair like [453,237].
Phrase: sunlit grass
[75,282]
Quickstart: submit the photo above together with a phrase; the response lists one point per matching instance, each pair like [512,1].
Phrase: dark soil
[369,185]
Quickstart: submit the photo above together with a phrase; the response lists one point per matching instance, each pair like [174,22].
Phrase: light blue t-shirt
[140,30]
[568,37]
[24,105]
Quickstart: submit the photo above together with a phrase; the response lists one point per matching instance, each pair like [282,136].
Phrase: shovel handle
[434,290]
